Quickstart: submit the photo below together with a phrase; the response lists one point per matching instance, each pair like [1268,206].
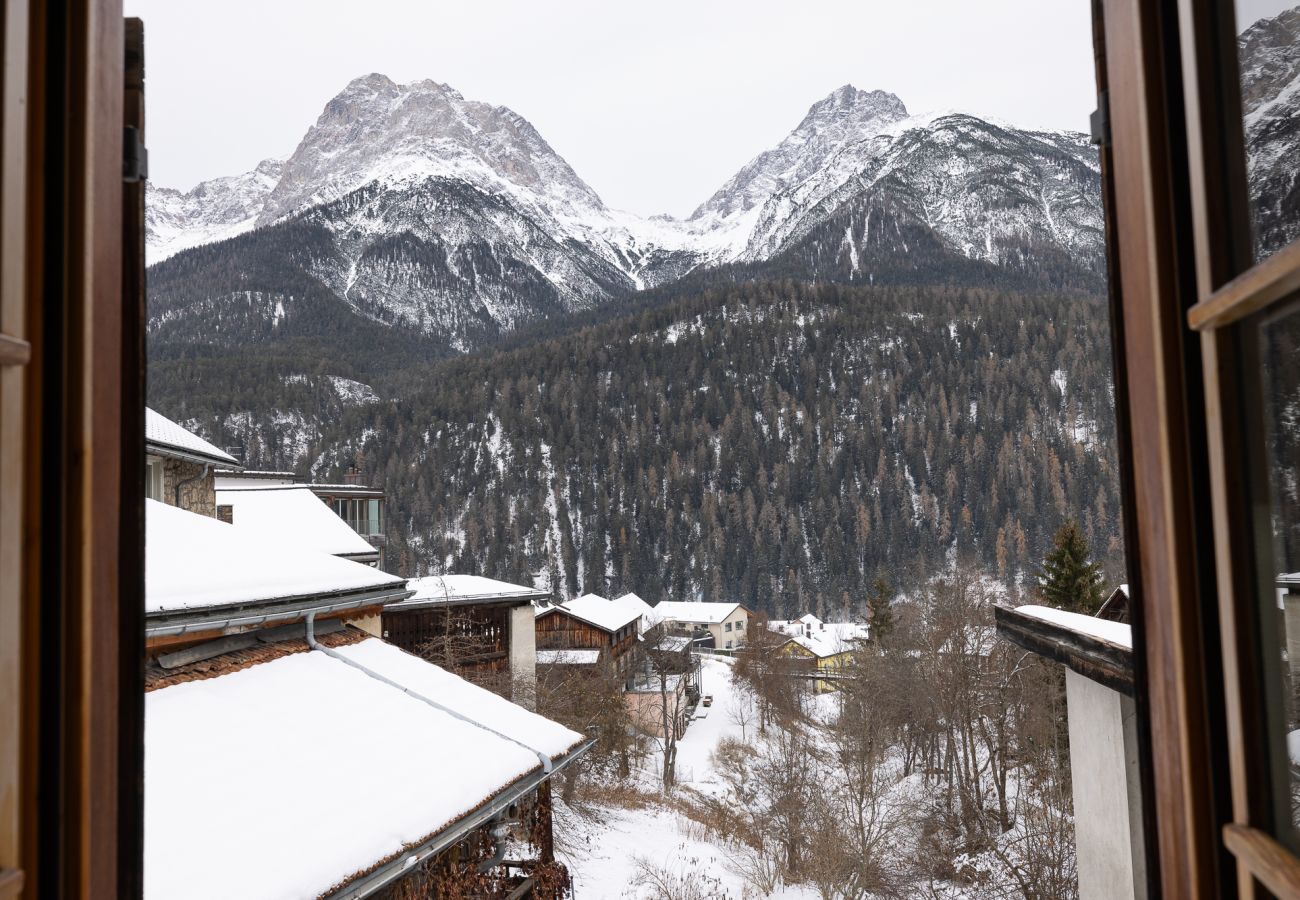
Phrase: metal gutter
[395,869]
[217,462]
[468,600]
[285,611]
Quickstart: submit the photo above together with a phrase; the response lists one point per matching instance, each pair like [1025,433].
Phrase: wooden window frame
[1231,287]
[1182,263]
[71,482]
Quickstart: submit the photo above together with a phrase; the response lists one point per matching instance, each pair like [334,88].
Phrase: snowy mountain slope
[457,219]
[1269,57]
[845,117]
[985,192]
[211,211]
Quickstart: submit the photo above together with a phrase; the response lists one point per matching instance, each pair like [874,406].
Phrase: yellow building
[826,647]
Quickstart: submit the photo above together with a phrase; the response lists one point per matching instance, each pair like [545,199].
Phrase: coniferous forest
[777,444]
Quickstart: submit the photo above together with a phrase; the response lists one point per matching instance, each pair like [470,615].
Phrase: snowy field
[601,844]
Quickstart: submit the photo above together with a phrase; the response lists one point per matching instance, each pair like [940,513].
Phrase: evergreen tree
[1069,579]
[879,607]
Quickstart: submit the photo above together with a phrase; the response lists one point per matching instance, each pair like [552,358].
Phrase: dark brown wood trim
[131,521]
[1274,865]
[14,439]
[1107,664]
[1216,152]
[1258,287]
[1156,283]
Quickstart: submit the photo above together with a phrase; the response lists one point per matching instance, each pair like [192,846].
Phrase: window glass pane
[1269,59]
[374,517]
[1272,346]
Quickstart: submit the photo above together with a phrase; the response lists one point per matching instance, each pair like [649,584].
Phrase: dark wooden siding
[483,630]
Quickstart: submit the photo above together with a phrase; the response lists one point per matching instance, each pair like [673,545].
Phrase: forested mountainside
[1269,57]
[776,444]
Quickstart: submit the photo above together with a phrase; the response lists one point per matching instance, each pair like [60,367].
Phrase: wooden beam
[1107,664]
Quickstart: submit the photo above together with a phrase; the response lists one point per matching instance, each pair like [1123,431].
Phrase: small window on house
[726,627]
[728,645]
[153,479]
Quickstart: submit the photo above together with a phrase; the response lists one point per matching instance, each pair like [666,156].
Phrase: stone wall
[198,495]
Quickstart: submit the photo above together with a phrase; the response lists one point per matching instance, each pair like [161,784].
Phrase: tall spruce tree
[1068,578]
[879,607]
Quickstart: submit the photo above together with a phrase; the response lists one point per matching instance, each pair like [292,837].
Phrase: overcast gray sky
[653,104]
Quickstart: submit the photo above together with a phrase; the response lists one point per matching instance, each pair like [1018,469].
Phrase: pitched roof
[166,438]
[285,821]
[431,590]
[596,610]
[633,603]
[194,562]
[293,516]
[822,639]
[694,611]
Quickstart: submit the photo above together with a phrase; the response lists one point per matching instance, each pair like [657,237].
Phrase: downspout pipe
[181,484]
[548,765]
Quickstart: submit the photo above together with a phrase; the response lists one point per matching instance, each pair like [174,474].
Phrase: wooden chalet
[590,622]
[477,627]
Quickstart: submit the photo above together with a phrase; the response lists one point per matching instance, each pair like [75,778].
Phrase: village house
[475,626]
[180,467]
[252,645]
[727,624]
[665,666]
[823,648]
[292,514]
[606,631]
[359,505]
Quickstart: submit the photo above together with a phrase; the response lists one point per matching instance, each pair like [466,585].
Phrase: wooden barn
[590,622]
[477,627]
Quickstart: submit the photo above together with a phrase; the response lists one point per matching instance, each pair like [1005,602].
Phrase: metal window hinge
[1100,120]
[135,156]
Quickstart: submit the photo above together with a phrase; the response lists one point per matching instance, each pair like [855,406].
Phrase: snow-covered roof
[568,657]
[197,562]
[293,515]
[165,437]
[1116,633]
[822,639]
[434,589]
[596,610]
[633,603]
[245,768]
[694,611]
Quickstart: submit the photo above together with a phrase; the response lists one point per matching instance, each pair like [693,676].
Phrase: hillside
[775,444]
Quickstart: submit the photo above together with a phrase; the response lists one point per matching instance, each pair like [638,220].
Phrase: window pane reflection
[1277,518]
[1269,59]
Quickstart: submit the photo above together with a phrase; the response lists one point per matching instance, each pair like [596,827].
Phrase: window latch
[1100,120]
[135,156]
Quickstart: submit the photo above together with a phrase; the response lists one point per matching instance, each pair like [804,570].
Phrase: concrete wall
[523,655]
[1107,791]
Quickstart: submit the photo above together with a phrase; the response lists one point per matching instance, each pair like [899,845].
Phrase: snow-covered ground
[601,844]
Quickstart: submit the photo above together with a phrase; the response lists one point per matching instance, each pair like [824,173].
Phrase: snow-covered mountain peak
[210,211]
[378,130]
[847,115]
